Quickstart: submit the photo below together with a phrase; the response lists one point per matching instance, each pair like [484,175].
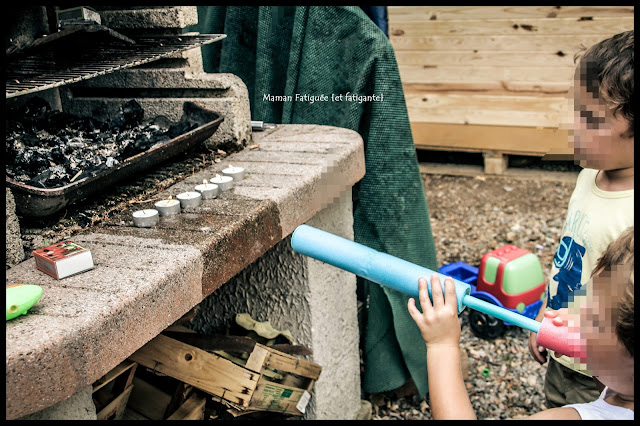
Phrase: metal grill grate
[33,73]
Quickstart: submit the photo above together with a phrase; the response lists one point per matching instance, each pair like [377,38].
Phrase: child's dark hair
[620,253]
[606,69]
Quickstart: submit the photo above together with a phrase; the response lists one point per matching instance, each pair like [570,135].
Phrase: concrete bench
[147,278]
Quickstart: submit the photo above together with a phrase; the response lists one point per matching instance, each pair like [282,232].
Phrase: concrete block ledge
[147,278]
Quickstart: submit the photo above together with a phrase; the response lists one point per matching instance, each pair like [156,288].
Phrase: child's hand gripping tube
[403,276]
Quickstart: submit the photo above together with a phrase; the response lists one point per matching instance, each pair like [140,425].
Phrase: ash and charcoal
[49,149]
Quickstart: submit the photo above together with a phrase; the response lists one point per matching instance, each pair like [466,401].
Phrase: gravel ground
[469,217]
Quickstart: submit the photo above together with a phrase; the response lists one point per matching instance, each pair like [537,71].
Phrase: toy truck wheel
[485,326]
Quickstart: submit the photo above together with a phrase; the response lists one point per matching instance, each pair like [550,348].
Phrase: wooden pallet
[494,162]
[480,138]
[494,79]
[243,386]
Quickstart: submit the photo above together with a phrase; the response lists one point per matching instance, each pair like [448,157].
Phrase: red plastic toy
[521,290]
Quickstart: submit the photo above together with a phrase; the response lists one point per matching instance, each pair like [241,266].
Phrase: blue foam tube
[502,313]
[390,271]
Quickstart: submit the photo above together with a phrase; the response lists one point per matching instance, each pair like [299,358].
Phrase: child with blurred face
[602,134]
[605,316]
[601,205]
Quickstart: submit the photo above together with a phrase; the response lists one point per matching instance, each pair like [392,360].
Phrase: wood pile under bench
[243,388]
[267,380]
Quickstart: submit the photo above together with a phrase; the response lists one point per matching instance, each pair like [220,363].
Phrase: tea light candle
[237,173]
[208,190]
[168,207]
[190,199]
[145,218]
[224,182]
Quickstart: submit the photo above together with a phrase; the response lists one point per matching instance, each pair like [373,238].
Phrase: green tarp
[302,50]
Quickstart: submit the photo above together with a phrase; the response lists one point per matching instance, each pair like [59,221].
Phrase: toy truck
[509,277]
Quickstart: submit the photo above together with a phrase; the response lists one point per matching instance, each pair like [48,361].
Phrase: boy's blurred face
[599,138]
[607,358]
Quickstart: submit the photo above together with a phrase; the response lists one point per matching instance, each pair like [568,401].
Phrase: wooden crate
[111,392]
[243,388]
[290,396]
[495,78]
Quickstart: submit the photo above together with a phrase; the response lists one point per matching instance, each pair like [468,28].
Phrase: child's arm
[538,352]
[440,328]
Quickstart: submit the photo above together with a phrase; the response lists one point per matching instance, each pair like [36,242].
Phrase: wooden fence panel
[505,71]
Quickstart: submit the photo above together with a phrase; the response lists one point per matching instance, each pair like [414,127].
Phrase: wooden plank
[495,87]
[111,375]
[102,398]
[198,368]
[179,328]
[227,403]
[476,138]
[472,75]
[298,382]
[148,400]
[189,316]
[292,364]
[257,358]
[236,413]
[513,172]
[270,396]
[569,44]
[485,58]
[397,13]
[451,73]
[214,342]
[495,163]
[526,27]
[180,394]
[528,111]
[122,403]
[124,380]
[192,409]
[116,407]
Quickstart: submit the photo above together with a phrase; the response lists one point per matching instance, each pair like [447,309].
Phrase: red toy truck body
[500,264]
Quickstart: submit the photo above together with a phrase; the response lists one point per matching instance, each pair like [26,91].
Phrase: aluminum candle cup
[145,218]
[237,173]
[167,207]
[225,183]
[208,190]
[190,199]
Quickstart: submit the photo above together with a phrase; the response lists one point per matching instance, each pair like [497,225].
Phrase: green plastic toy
[20,298]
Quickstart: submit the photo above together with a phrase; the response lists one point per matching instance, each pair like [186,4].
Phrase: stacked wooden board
[184,375]
[495,78]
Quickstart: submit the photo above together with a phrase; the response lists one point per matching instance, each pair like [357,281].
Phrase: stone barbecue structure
[229,255]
